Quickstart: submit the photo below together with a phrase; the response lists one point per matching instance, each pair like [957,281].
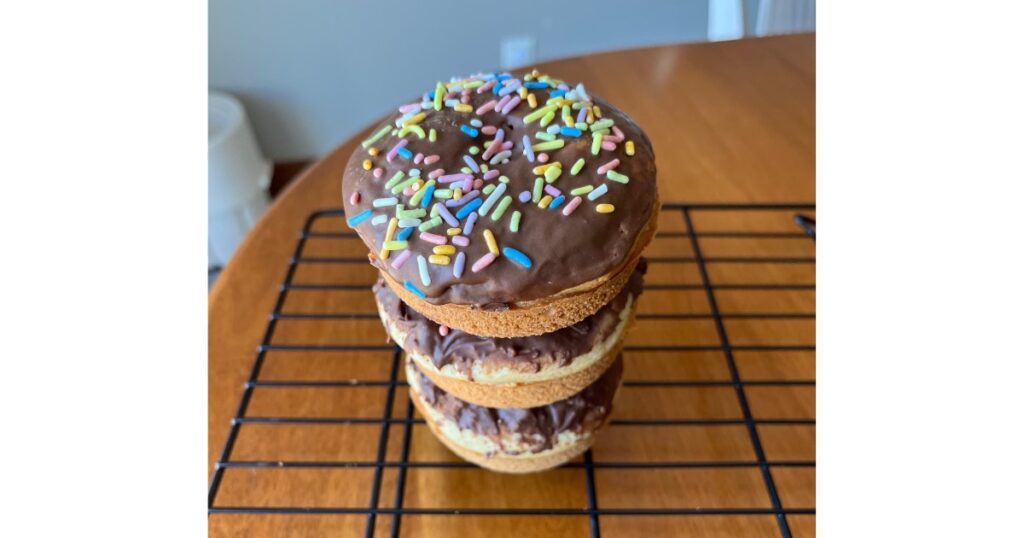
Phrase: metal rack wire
[803,230]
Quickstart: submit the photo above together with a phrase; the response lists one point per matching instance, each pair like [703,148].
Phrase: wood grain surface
[730,122]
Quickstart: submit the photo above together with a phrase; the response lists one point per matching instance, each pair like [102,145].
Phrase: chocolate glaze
[523,354]
[539,426]
[566,251]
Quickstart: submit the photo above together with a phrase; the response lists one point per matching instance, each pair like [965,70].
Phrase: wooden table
[730,122]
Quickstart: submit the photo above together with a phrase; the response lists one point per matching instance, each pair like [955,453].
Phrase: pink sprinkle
[550,189]
[401,259]
[512,104]
[571,206]
[607,146]
[443,330]
[454,177]
[477,184]
[431,159]
[488,129]
[486,107]
[354,199]
[502,102]
[418,158]
[506,145]
[408,191]
[465,99]
[492,148]
[378,172]
[483,262]
[394,151]
[434,173]
[618,132]
[610,165]
[491,174]
[466,91]
[460,240]
[543,157]
[487,86]
[433,238]
[409,108]
[609,138]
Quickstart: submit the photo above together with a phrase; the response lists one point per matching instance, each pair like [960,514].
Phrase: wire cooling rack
[713,430]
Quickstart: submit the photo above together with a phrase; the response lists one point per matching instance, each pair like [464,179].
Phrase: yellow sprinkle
[457,194]
[439,260]
[595,146]
[462,107]
[551,174]
[454,231]
[374,152]
[492,244]
[412,129]
[545,201]
[539,170]
[590,115]
[439,92]
[388,237]
[433,136]
[537,114]
[444,249]
[597,111]
[522,92]
[630,148]
[367,164]
[531,99]
[415,119]
[605,208]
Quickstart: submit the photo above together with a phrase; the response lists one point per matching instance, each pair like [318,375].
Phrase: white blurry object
[785,17]
[517,51]
[239,175]
[725,20]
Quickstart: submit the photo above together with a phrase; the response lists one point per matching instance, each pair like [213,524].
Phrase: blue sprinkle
[557,93]
[427,196]
[411,287]
[536,85]
[517,257]
[571,131]
[497,87]
[468,130]
[503,76]
[404,234]
[469,208]
[352,222]
[557,201]
[405,153]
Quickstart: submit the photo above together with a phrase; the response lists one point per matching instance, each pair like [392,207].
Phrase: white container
[238,178]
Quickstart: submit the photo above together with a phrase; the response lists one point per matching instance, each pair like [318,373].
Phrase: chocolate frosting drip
[566,251]
[539,426]
[528,353]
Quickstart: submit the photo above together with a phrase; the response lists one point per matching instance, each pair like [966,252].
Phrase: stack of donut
[507,216]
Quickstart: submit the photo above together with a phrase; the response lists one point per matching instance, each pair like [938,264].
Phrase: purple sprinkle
[504,101]
[527,148]
[470,221]
[467,184]
[460,263]
[447,215]
[460,240]
[491,174]
[552,191]
[506,145]
[451,178]
[525,196]
[465,198]
[393,152]
[472,164]
[582,116]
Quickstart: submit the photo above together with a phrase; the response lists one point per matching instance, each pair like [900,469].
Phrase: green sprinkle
[577,191]
[552,173]
[398,188]
[394,179]
[432,223]
[432,136]
[548,118]
[434,210]
[503,179]
[396,245]
[599,131]
[418,196]
[438,95]
[394,132]
[488,188]
[538,189]
[502,206]
[483,167]
[444,194]
[537,114]
[544,136]
[412,213]
[545,146]
[473,84]
[601,124]
[582,126]
[514,223]
[412,129]
[473,150]
[576,167]
[466,170]
[376,136]
[596,145]
[615,176]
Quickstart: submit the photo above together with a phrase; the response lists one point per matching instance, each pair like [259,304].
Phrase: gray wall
[313,72]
